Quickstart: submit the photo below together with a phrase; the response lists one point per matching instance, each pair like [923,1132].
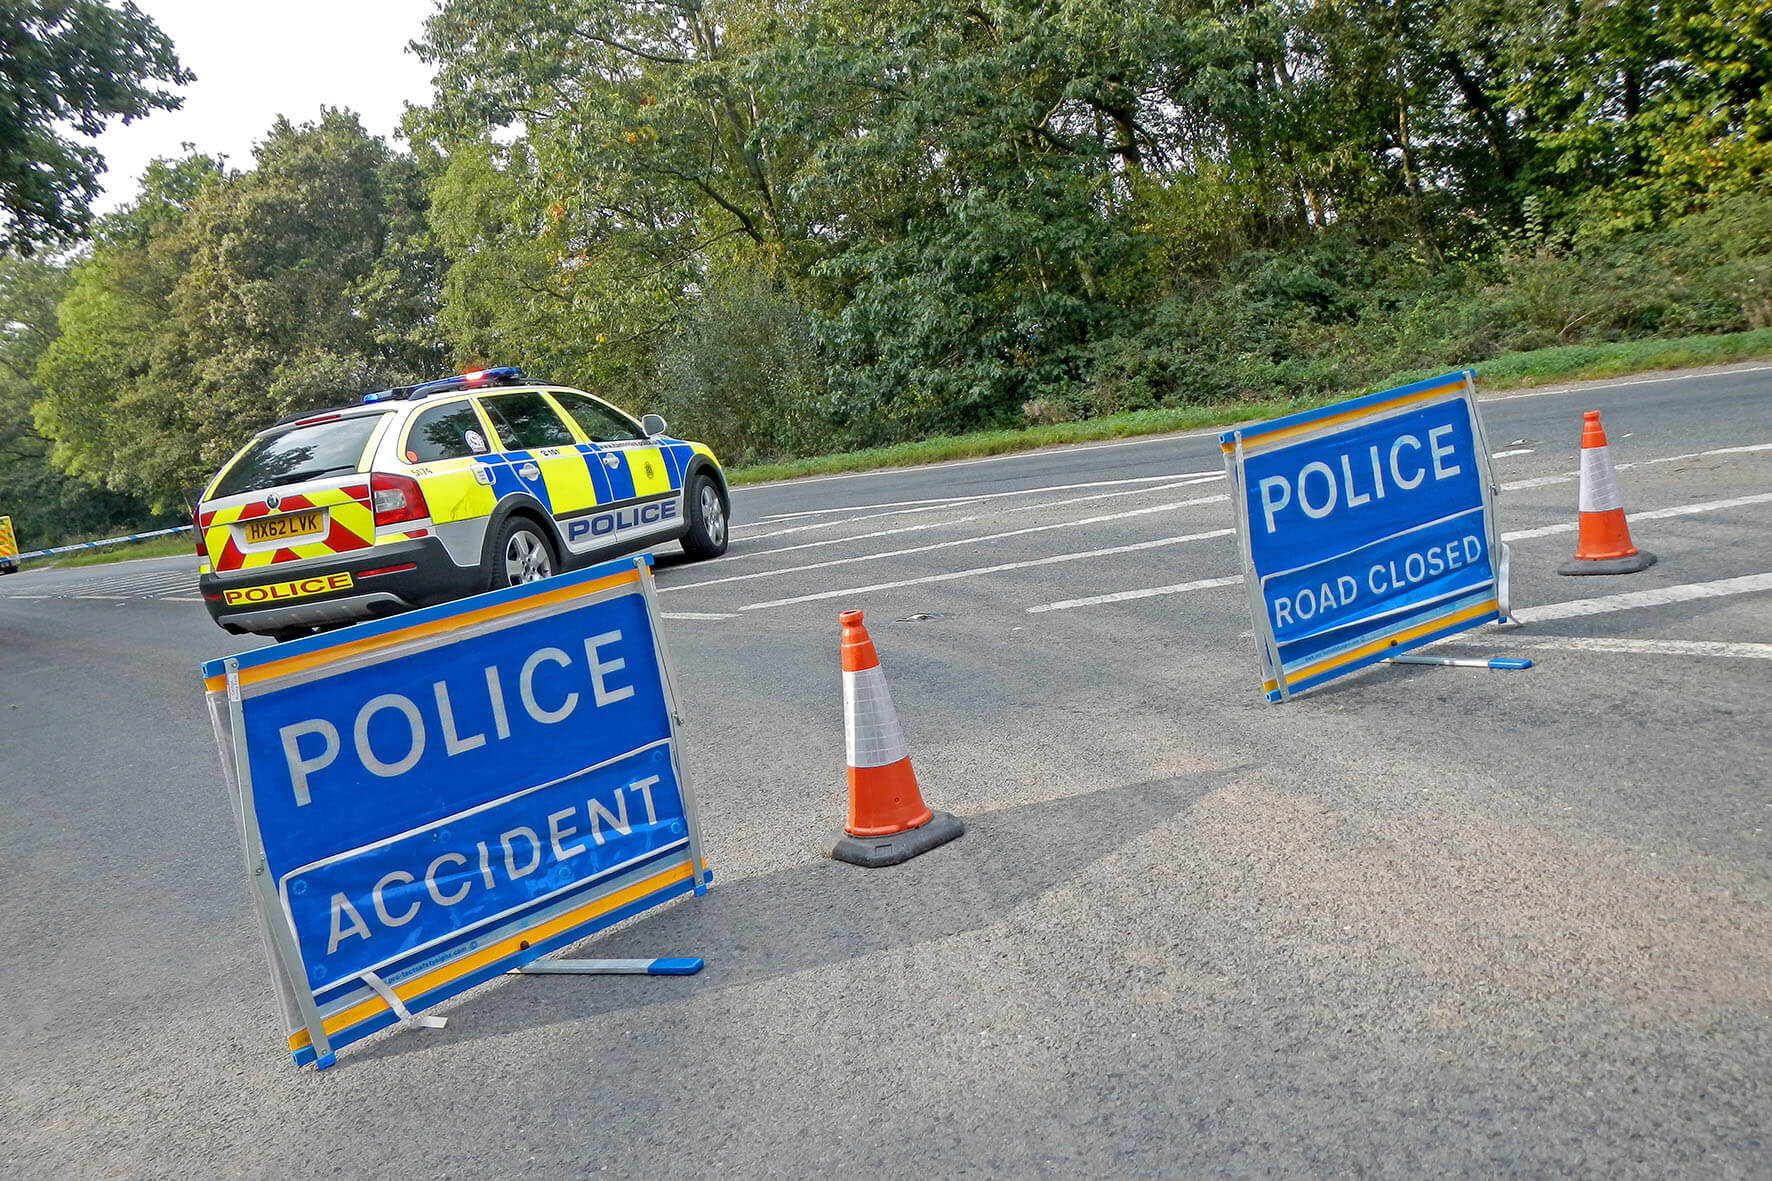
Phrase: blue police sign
[431,800]
[1367,528]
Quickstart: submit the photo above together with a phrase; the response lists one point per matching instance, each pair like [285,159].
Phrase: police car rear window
[298,454]
[444,432]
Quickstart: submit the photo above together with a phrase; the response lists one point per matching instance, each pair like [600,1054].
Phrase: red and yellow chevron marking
[350,526]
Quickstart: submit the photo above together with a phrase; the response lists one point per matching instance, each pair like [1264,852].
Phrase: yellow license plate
[282,592]
[287,525]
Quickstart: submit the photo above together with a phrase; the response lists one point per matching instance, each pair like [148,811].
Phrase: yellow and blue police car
[427,493]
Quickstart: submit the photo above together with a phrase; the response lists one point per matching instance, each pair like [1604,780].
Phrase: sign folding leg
[668,966]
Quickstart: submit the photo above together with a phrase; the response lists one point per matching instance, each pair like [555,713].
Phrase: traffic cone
[1602,544]
[888,821]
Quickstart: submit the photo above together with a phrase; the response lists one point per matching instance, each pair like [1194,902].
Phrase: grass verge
[1512,371]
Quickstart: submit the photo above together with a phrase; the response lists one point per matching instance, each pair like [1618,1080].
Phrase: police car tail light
[197,533]
[396,499]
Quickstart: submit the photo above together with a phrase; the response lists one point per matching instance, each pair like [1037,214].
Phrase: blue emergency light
[502,375]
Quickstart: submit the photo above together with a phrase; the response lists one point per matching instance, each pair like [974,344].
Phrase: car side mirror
[652,424]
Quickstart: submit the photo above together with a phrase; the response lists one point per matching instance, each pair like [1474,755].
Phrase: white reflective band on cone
[1599,487]
[871,727]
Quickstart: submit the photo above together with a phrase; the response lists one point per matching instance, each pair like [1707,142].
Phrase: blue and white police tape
[80,545]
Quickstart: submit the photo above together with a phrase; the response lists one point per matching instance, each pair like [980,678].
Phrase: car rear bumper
[368,584]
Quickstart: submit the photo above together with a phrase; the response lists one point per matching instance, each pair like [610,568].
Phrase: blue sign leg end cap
[1641,560]
[874,852]
[674,966]
[325,1060]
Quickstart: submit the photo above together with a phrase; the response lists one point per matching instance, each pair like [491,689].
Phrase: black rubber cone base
[1641,560]
[874,852]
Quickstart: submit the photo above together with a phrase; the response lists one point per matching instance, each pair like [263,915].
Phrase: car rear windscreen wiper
[316,473]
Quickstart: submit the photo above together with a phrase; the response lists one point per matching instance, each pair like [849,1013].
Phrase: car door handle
[611,460]
[529,471]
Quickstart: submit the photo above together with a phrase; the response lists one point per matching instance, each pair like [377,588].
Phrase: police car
[427,493]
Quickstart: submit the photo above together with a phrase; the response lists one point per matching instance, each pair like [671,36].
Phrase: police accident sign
[1367,528]
[431,800]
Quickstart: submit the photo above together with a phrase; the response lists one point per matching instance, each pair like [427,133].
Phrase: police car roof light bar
[502,375]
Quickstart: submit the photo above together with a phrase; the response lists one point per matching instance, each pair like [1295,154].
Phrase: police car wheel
[707,521]
[521,555]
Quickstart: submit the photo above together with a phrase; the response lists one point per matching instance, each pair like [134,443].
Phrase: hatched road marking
[951,575]
[921,549]
[1660,647]
[1148,592]
[921,526]
[1681,510]
[168,585]
[904,507]
[1657,597]
[1660,514]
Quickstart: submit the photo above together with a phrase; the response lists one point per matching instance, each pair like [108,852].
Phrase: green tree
[298,284]
[304,284]
[110,383]
[67,67]
[46,506]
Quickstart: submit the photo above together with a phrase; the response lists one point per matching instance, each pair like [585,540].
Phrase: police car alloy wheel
[707,526]
[526,554]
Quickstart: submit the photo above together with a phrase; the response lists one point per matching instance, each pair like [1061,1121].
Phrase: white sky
[257,59]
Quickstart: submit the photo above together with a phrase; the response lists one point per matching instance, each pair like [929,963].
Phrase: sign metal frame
[319,1020]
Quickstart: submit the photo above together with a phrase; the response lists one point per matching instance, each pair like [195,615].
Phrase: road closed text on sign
[432,800]
[1367,528]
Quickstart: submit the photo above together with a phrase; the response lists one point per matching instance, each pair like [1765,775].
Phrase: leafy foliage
[67,67]
[220,302]
[799,225]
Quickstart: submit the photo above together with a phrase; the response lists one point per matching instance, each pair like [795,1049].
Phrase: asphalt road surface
[1420,921]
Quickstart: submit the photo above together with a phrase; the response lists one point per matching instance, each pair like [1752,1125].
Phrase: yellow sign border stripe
[437,977]
[290,665]
[1345,416]
[1488,606]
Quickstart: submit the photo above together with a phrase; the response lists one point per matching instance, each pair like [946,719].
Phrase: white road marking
[923,549]
[1678,510]
[1516,451]
[1008,457]
[1571,477]
[981,570]
[904,507]
[1661,647]
[921,526]
[1597,384]
[1743,450]
[1146,593]
[698,615]
[1656,597]
[970,499]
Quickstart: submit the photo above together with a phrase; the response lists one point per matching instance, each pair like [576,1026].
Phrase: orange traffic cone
[888,822]
[1602,545]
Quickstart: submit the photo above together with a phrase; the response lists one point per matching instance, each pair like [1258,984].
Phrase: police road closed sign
[431,800]
[1367,528]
